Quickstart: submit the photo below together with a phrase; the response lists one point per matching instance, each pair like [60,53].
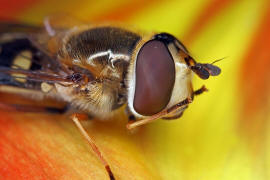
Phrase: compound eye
[155,76]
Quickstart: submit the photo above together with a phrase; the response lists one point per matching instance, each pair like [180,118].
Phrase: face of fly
[160,77]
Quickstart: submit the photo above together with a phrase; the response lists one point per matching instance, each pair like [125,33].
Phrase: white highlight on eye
[131,91]
[112,57]
[131,80]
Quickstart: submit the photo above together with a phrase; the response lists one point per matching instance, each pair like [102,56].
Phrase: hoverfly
[96,69]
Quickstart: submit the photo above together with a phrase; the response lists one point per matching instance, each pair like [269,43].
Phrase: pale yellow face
[183,84]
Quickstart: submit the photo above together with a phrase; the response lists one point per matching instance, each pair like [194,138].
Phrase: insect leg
[76,119]
[159,115]
[200,91]
[34,109]
[174,117]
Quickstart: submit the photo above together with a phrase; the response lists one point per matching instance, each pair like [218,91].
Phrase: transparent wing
[22,63]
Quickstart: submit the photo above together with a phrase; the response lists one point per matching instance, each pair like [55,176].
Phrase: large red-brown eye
[155,76]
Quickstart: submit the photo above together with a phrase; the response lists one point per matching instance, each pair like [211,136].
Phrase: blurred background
[224,134]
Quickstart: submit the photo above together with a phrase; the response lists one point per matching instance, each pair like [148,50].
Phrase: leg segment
[200,91]
[91,142]
[159,115]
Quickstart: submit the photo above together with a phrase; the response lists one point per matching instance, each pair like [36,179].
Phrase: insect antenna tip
[215,61]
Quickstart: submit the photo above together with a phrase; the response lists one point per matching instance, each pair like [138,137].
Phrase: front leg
[160,114]
[76,118]
[199,91]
